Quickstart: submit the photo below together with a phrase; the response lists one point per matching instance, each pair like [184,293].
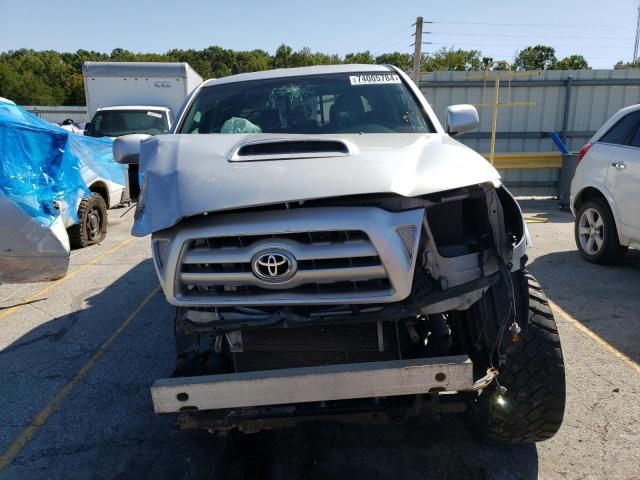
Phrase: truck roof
[133,107]
[300,71]
[137,69]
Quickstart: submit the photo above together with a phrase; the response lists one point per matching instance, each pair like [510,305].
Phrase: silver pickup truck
[333,253]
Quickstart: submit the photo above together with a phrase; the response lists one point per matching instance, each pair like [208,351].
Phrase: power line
[546,25]
[391,45]
[389,37]
[453,44]
[488,54]
[526,36]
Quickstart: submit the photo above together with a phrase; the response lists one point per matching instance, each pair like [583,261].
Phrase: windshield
[114,123]
[314,104]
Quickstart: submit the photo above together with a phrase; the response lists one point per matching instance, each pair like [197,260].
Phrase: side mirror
[126,149]
[461,118]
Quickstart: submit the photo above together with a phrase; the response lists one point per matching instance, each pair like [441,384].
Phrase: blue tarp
[41,163]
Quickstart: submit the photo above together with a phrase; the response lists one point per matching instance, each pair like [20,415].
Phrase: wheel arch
[101,189]
[591,192]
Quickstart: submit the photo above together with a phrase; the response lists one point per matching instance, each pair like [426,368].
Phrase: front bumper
[313,384]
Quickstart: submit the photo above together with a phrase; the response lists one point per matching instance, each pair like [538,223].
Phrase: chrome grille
[343,255]
[335,263]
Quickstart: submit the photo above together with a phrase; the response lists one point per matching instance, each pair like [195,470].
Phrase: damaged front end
[338,288]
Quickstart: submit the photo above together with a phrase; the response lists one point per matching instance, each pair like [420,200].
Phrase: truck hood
[187,175]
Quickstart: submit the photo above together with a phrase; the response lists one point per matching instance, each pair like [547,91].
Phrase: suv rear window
[313,104]
[619,134]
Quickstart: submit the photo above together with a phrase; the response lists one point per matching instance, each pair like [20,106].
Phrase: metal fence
[572,103]
[59,114]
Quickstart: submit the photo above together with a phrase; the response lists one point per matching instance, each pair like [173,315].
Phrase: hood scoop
[288,149]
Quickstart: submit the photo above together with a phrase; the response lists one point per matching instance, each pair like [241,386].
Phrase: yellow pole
[494,121]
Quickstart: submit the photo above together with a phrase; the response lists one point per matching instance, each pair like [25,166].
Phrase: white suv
[605,192]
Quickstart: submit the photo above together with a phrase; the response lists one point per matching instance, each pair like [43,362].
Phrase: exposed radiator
[266,349]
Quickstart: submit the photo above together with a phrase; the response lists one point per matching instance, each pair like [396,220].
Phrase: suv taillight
[583,151]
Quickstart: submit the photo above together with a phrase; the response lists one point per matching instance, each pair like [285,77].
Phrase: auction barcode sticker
[374,79]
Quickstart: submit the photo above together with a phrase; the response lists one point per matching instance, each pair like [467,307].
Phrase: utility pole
[417,51]
[635,48]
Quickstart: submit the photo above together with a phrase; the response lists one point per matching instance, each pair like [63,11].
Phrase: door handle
[619,165]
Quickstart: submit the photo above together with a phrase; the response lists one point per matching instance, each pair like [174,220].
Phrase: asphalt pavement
[77,358]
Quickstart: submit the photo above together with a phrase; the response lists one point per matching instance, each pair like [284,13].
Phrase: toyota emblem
[274,266]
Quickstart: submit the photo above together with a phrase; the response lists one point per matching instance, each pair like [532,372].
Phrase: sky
[603,32]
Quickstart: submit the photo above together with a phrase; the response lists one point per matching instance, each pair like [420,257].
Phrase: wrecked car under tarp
[42,170]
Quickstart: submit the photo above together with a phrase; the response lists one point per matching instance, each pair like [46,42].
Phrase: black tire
[92,222]
[534,376]
[610,250]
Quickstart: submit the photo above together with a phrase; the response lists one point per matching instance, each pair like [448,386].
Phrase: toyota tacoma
[333,253]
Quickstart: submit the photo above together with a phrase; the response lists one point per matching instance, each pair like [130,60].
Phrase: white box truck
[135,97]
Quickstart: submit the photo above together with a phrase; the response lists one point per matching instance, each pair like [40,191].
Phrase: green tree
[198,59]
[75,60]
[487,63]
[540,57]
[403,61]
[359,57]
[122,55]
[74,90]
[282,58]
[572,62]
[624,65]
[452,59]
[253,61]
[52,78]
[302,58]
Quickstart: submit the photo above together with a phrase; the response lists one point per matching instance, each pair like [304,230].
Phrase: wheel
[92,222]
[595,233]
[532,408]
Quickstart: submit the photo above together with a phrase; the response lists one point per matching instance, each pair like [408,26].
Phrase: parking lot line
[41,418]
[30,298]
[595,337]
